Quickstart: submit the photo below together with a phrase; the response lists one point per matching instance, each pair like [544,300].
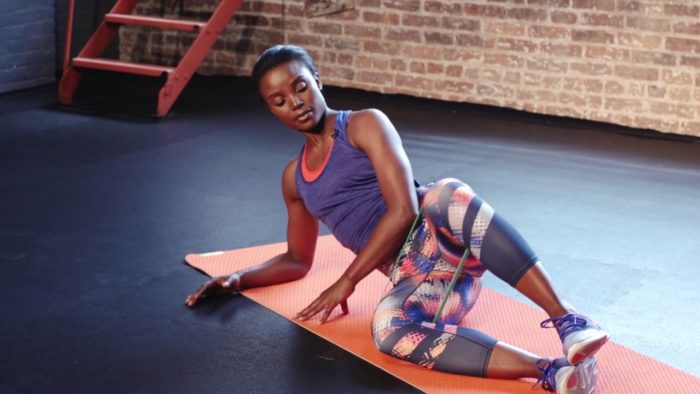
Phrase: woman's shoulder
[366,115]
[366,123]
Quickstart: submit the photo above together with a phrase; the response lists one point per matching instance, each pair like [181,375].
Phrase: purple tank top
[346,196]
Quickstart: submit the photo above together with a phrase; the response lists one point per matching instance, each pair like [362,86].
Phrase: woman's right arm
[302,234]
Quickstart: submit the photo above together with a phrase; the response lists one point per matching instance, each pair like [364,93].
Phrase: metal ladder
[176,77]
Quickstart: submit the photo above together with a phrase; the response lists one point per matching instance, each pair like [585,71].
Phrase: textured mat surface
[622,370]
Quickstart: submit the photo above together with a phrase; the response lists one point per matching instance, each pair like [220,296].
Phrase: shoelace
[566,324]
[548,378]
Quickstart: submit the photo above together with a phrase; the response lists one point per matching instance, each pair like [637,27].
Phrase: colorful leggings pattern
[454,220]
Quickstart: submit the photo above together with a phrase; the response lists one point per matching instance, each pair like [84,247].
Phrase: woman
[354,176]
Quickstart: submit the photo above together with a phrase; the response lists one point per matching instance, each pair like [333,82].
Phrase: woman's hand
[338,293]
[216,286]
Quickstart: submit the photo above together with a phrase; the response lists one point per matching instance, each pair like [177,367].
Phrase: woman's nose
[297,102]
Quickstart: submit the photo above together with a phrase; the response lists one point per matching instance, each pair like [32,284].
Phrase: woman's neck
[323,130]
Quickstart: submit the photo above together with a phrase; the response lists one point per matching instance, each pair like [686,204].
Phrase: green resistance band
[451,286]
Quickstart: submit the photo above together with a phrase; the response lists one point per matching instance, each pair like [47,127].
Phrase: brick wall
[27,54]
[629,62]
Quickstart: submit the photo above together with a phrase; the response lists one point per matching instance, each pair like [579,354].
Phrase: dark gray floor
[97,214]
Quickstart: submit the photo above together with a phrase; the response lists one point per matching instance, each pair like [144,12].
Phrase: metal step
[138,20]
[148,70]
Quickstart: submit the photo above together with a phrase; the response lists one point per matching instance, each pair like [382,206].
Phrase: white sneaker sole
[580,379]
[585,344]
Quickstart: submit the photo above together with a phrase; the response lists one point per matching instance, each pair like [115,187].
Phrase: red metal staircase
[176,77]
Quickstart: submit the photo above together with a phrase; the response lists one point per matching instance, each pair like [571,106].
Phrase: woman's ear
[317,78]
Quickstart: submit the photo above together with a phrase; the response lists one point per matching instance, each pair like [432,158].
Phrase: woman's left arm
[372,132]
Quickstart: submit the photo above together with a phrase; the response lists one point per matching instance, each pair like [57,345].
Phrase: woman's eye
[301,87]
[278,103]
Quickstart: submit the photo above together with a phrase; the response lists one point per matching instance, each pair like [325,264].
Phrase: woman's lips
[305,116]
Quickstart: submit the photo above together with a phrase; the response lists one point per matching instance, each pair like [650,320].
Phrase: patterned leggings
[454,220]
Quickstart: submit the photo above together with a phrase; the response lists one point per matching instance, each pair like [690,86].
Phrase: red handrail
[69,36]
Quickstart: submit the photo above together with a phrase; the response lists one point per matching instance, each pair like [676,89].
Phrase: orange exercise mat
[622,370]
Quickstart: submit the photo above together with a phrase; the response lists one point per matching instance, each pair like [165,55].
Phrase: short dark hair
[280,54]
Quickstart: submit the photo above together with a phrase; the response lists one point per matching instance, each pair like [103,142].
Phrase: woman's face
[293,95]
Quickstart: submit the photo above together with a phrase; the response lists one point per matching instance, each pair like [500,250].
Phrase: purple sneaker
[580,337]
[558,375]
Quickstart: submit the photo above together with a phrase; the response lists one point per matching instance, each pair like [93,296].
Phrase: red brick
[490,75]
[536,95]
[602,5]
[623,104]
[403,5]
[651,24]
[342,43]
[438,38]
[454,70]
[607,53]
[549,65]
[398,65]
[363,62]
[332,72]
[469,40]
[402,35]
[384,18]
[489,11]
[512,77]
[527,14]
[566,50]
[378,78]
[641,73]
[682,10]
[454,86]
[416,83]
[419,20]
[683,44]
[504,60]
[614,87]
[677,77]
[656,91]
[646,41]
[592,68]
[662,107]
[602,20]
[363,31]
[512,44]
[575,100]
[421,52]
[305,39]
[417,67]
[551,3]
[583,85]
[435,68]
[496,91]
[389,48]
[682,94]
[690,61]
[460,24]
[597,36]
[368,3]
[548,32]
[629,5]
[563,17]
[325,28]
[444,7]
[648,57]
[347,15]
[504,28]
[687,28]
[330,57]
[460,54]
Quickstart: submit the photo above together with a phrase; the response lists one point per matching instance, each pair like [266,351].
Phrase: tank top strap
[341,124]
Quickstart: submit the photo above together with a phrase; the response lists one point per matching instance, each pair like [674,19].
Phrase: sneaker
[580,337]
[558,375]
